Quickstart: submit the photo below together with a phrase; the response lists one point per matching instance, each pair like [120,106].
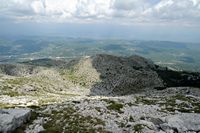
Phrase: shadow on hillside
[17,69]
[179,78]
[123,75]
[46,62]
[130,75]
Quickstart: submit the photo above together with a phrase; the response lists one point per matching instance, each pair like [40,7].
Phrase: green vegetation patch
[114,105]
[75,79]
[7,90]
[17,81]
[131,119]
[185,104]
[146,101]
[138,128]
[69,120]
[6,105]
[12,94]
[49,100]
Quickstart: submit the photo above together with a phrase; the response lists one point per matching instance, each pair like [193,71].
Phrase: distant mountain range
[178,56]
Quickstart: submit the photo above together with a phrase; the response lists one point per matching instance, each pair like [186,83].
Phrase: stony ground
[140,113]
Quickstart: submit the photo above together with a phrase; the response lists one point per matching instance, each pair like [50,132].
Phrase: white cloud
[123,11]
[91,8]
[38,7]
[136,5]
[175,10]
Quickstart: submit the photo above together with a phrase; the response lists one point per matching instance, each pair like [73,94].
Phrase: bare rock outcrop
[121,75]
[182,123]
[10,119]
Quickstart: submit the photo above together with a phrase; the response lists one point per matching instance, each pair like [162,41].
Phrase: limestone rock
[10,119]
[183,122]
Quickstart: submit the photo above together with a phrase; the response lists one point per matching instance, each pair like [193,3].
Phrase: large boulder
[10,119]
[182,123]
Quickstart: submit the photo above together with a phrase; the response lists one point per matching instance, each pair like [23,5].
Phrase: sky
[172,20]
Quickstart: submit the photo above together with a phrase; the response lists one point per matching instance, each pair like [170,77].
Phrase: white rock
[10,119]
[184,122]
[36,126]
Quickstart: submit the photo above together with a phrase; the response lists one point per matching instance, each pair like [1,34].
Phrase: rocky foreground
[10,119]
[102,93]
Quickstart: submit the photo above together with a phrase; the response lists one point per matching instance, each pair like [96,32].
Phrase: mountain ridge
[106,74]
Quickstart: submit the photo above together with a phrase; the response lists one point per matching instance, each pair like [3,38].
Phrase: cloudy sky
[177,20]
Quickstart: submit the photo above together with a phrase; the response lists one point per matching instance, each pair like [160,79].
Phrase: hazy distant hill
[178,56]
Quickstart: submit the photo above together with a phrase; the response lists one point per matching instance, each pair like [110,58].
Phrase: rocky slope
[112,75]
[102,93]
[18,69]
